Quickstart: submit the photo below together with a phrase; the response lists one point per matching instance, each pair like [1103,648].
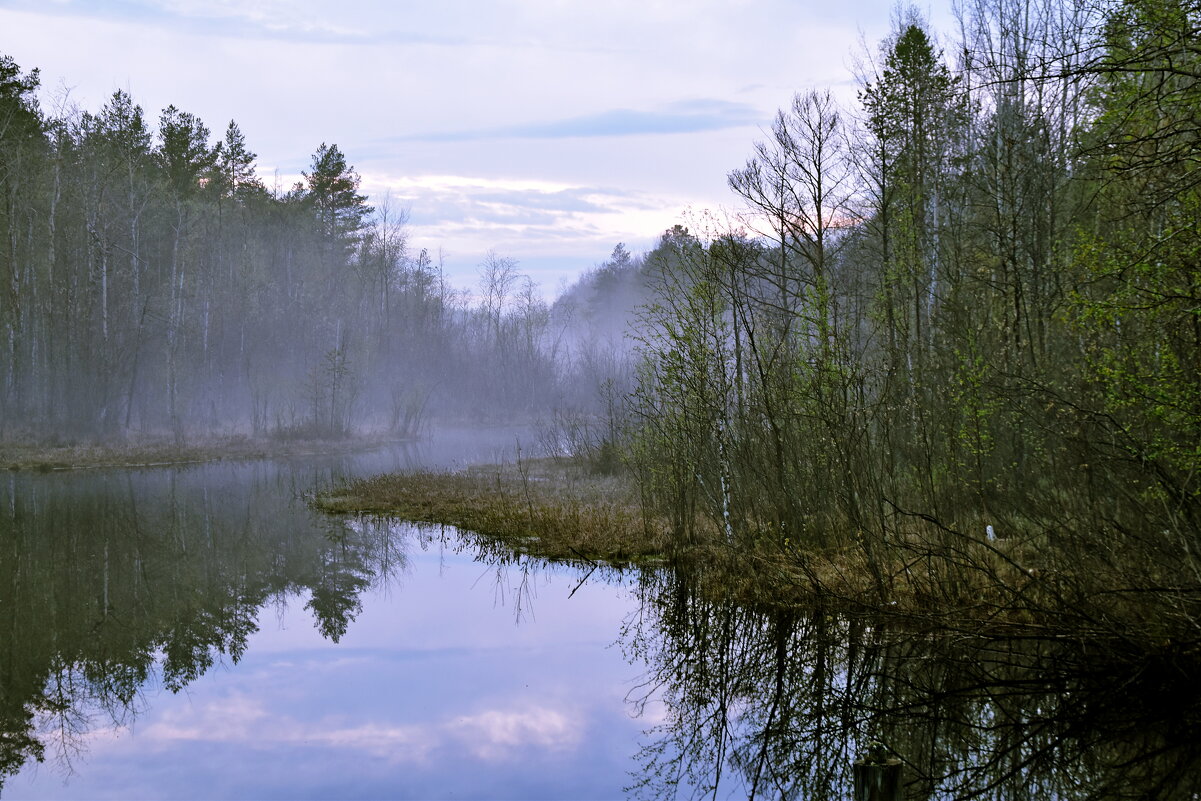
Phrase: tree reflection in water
[111,582]
[778,705]
[115,580]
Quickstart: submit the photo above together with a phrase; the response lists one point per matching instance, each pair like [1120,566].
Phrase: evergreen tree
[911,119]
[233,169]
[184,153]
[333,192]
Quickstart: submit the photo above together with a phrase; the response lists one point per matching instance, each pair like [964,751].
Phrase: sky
[546,131]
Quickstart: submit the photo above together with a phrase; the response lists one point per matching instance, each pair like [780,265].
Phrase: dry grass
[546,509]
[158,452]
[554,511]
[557,511]
[542,508]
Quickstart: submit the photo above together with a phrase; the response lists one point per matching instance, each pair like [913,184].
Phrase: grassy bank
[161,452]
[543,508]
[561,512]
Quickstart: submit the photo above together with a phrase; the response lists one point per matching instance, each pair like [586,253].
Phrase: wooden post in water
[877,776]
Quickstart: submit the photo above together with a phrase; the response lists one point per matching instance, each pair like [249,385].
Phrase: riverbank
[544,508]
[163,452]
[561,511]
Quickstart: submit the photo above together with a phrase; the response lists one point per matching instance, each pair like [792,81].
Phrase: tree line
[152,283]
[965,308]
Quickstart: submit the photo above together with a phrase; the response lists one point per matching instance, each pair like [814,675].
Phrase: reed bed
[542,508]
[560,511]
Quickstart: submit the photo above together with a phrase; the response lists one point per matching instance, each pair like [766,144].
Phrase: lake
[372,659]
[200,632]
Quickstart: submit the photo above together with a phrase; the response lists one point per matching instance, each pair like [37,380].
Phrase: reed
[557,511]
[542,508]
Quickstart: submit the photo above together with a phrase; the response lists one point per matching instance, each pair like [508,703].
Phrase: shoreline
[543,508]
[560,512]
[161,452]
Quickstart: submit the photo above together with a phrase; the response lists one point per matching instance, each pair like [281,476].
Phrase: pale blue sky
[547,130]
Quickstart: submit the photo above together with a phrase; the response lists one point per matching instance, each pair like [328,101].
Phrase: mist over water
[903,451]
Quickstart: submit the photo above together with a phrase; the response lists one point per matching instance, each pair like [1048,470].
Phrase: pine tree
[333,193]
[233,169]
[184,153]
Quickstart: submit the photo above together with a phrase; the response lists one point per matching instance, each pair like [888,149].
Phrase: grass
[160,451]
[560,511]
[543,508]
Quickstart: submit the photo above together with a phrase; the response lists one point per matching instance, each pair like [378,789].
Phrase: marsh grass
[559,511]
[49,457]
[544,508]
[928,577]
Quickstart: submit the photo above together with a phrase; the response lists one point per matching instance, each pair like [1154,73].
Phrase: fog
[159,288]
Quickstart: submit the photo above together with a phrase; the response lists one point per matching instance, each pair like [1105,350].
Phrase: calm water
[199,633]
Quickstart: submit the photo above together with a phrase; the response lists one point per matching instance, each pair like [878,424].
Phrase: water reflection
[169,633]
[116,578]
[778,705]
[177,627]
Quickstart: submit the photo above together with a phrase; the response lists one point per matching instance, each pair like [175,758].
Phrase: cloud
[555,230]
[688,116]
[525,218]
[230,20]
[455,201]
[494,734]
[490,735]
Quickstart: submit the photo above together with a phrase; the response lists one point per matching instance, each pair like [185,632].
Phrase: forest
[953,339]
[956,323]
[154,285]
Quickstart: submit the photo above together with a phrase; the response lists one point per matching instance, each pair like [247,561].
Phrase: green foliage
[332,187]
[907,106]
[1007,338]
[20,117]
[233,165]
[184,154]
